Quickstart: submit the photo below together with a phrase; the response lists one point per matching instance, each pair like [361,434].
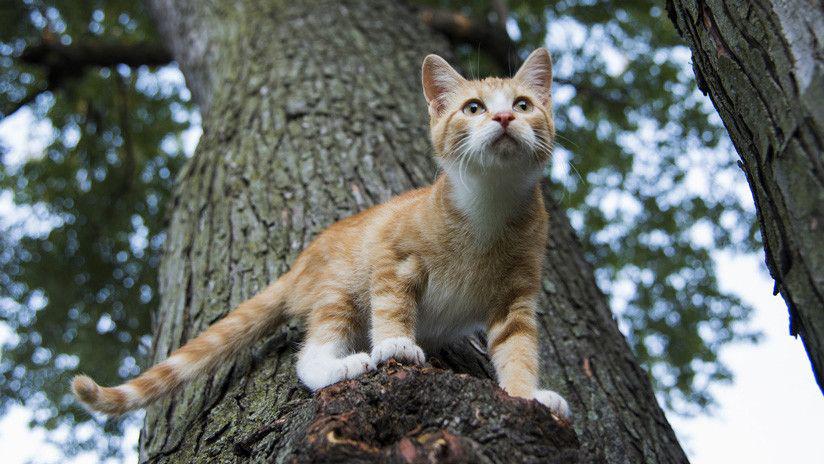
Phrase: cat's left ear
[536,72]
[439,79]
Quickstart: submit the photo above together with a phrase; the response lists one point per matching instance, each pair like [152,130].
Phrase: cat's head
[491,122]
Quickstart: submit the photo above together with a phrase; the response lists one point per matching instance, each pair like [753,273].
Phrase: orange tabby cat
[424,268]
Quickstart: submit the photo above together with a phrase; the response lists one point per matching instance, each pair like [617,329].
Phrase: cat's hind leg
[326,356]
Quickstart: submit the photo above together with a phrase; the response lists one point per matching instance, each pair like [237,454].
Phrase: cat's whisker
[566,139]
[461,168]
[551,149]
[460,153]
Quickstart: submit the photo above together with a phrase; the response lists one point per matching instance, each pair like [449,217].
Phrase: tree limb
[460,29]
[62,62]
[377,418]
[495,41]
[14,106]
[74,58]
[501,10]
[766,83]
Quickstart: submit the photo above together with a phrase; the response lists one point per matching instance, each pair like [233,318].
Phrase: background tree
[626,116]
[763,68]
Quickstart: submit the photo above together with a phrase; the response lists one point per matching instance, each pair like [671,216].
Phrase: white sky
[772,413]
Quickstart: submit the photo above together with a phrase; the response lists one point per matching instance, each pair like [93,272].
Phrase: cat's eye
[522,104]
[473,108]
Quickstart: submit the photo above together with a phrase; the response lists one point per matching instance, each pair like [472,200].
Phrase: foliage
[77,280]
[642,165]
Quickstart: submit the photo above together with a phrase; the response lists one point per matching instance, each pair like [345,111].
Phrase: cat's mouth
[504,137]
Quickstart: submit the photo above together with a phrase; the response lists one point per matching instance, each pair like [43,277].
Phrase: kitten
[424,268]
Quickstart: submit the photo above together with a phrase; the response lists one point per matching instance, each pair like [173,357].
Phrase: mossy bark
[313,111]
[762,64]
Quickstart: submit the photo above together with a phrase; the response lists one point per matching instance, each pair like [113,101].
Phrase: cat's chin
[503,162]
[503,139]
[507,150]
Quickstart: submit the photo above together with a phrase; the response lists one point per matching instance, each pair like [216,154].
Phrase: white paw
[401,348]
[555,402]
[319,373]
[357,364]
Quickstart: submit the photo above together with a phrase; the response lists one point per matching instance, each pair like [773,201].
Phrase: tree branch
[408,414]
[14,106]
[501,10]
[62,62]
[76,57]
[460,29]
[495,41]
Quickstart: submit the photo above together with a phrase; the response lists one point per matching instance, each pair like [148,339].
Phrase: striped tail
[240,329]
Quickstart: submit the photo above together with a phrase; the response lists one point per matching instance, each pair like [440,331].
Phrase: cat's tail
[239,329]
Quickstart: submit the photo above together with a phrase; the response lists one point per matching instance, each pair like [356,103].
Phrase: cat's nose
[503,117]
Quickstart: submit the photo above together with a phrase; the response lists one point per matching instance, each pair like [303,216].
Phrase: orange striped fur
[421,270]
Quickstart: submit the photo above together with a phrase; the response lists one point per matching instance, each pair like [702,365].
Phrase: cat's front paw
[356,364]
[555,402]
[403,349]
[317,373]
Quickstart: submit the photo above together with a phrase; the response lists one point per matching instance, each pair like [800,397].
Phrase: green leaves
[78,294]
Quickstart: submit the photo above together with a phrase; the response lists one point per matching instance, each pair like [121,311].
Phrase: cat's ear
[536,72]
[439,79]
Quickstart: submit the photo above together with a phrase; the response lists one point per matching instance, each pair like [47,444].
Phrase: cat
[422,269]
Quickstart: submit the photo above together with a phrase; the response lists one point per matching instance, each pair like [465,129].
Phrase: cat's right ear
[439,79]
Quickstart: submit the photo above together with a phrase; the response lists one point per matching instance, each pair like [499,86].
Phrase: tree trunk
[762,63]
[315,111]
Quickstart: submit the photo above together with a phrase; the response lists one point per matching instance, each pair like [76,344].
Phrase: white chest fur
[490,197]
[451,307]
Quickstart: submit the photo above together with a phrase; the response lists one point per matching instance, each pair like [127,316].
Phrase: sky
[773,412]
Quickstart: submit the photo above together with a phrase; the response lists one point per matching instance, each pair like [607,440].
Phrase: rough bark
[315,112]
[762,64]
[378,418]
